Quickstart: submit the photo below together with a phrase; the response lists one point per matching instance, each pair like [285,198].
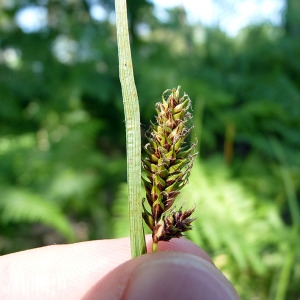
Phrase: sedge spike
[167,165]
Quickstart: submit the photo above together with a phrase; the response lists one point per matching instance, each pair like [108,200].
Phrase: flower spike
[167,165]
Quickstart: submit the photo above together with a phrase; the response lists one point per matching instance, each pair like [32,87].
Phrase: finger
[69,271]
[163,276]
[180,245]
[59,271]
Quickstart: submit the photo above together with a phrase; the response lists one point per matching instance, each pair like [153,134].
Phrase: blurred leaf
[25,206]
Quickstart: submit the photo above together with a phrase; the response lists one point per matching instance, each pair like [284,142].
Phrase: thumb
[162,276]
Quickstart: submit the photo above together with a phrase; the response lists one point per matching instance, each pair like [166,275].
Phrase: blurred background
[62,132]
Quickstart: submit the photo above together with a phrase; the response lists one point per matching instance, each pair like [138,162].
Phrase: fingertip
[178,276]
[164,275]
[181,245]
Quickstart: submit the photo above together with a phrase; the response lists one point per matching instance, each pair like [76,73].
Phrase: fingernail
[179,276]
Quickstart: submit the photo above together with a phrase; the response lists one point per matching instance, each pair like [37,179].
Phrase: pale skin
[104,270]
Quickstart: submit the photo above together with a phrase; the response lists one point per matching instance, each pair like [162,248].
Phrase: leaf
[20,205]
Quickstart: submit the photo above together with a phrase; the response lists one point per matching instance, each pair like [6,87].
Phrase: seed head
[167,164]
[173,225]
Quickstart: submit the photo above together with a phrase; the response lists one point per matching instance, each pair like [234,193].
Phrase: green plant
[21,205]
[245,237]
[168,161]
[133,135]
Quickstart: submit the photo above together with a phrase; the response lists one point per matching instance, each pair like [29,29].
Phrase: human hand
[104,270]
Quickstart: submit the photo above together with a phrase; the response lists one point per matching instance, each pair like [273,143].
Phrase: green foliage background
[62,139]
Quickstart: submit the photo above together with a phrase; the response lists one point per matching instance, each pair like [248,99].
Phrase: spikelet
[167,164]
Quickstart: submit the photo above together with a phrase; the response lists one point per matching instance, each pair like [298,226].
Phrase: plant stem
[154,247]
[133,132]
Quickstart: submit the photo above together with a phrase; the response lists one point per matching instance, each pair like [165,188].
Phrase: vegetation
[133,131]
[62,136]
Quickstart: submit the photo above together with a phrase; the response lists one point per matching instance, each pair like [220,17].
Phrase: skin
[104,270]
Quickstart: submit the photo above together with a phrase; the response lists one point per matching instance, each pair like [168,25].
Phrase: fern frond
[19,205]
